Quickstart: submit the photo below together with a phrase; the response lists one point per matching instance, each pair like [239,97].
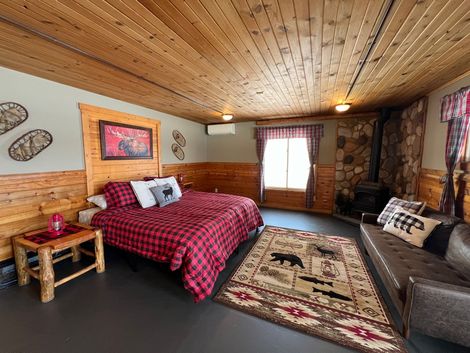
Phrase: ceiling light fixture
[343,107]
[227,117]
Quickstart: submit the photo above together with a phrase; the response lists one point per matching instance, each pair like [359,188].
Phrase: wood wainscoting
[229,178]
[234,178]
[195,173]
[295,200]
[243,179]
[430,190]
[28,200]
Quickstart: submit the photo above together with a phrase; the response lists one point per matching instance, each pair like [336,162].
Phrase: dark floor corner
[149,310]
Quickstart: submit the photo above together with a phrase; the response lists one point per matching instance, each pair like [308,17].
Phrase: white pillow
[143,193]
[410,227]
[98,200]
[85,216]
[171,181]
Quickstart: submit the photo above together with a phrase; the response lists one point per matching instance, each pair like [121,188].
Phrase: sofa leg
[366,252]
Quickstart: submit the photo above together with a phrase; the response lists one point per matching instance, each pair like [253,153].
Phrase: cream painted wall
[328,143]
[435,134]
[54,107]
[241,147]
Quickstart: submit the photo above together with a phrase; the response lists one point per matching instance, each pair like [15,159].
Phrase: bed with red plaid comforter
[197,234]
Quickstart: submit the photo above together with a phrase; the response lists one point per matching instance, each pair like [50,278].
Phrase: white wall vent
[221,129]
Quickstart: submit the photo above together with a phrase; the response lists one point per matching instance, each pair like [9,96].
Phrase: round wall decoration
[30,145]
[177,151]
[11,115]
[179,138]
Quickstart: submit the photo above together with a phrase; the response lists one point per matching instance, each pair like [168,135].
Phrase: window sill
[284,189]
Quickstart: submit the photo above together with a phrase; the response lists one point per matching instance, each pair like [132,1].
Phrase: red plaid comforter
[197,234]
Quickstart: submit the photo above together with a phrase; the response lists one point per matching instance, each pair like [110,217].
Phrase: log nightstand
[45,246]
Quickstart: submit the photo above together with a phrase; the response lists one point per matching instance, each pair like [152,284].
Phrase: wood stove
[372,196]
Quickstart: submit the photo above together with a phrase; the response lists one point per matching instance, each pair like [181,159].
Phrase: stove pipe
[376,148]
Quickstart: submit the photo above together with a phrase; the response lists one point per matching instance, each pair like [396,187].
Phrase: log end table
[45,245]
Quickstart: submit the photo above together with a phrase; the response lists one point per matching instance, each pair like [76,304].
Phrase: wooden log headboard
[98,171]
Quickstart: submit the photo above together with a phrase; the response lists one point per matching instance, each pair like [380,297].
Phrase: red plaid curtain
[313,134]
[455,109]
[260,148]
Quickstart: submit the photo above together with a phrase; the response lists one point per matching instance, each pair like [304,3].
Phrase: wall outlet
[216,190]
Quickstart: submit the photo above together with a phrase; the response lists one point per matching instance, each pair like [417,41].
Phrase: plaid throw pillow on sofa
[410,227]
[415,207]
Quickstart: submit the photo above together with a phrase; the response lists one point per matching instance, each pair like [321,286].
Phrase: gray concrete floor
[149,311]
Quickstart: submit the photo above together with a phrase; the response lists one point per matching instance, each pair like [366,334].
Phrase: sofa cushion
[458,251]
[446,219]
[397,260]
[409,227]
[439,238]
[411,206]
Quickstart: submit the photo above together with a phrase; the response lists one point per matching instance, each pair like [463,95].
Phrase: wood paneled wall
[98,171]
[195,173]
[243,178]
[234,178]
[430,190]
[295,200]
[28,200]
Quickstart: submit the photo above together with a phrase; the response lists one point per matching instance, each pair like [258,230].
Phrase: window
[286,163]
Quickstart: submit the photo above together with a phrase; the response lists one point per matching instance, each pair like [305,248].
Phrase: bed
[196,234]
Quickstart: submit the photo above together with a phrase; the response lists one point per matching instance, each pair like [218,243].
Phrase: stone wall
[354,140]
[402,150]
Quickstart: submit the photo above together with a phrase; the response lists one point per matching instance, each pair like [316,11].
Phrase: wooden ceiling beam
[307,119]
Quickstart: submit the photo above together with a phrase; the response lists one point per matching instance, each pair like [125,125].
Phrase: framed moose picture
[122,141]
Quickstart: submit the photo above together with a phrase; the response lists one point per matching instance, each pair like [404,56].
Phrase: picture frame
[125,142]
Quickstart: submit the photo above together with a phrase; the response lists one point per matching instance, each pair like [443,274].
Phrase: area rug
[314,283]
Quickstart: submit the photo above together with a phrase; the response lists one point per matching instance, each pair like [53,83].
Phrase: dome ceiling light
[342,107]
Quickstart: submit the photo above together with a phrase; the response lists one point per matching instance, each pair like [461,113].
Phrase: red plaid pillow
[119,194]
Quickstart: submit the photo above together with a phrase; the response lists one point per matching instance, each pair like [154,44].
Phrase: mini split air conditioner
[221,129]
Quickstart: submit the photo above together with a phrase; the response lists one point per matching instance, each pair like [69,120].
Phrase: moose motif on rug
[324,252]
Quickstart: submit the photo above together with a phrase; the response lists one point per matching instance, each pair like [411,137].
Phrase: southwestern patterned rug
[314,283]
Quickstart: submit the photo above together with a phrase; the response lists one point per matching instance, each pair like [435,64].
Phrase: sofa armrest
[369,218]
[438,309]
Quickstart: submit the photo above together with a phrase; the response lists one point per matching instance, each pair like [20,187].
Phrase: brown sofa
[429,286]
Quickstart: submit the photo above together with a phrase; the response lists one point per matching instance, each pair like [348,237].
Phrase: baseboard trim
[293,208]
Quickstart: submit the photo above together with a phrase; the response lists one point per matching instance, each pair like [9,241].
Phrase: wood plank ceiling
[255,59]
